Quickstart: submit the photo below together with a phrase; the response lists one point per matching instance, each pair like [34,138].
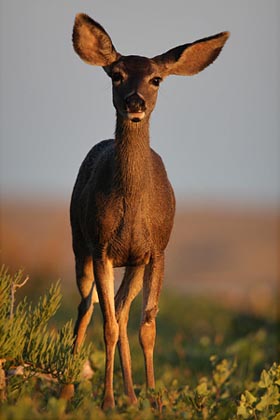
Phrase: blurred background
[217,132]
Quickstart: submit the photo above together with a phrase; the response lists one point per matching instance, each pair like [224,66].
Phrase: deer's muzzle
[135,107]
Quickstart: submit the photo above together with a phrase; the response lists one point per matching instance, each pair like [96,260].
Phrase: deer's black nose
[135,103]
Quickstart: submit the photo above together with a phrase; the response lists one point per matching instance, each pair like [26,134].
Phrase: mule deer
[123,205]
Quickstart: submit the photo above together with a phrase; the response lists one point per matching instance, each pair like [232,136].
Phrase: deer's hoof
[108,403]
[132,399]
[67,392]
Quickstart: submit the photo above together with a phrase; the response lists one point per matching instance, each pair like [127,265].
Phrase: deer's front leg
[147,334]
[129,289]
[103,271]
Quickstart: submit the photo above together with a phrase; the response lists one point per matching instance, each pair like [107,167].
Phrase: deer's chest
[130,240]
[129,230]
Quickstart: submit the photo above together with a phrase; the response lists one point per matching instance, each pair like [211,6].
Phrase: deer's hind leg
[130,287]
[85,283]
[86,286]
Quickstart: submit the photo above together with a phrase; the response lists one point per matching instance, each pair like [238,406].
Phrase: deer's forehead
[135,65]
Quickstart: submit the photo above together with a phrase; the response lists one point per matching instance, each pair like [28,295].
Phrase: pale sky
[218,132]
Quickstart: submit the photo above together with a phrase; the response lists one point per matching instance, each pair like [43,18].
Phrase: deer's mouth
[135,116]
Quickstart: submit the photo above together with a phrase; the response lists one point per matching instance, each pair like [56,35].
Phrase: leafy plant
[27,344]
[263,400]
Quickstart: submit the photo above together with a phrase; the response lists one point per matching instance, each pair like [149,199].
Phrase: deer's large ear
[190,59]
[92,43]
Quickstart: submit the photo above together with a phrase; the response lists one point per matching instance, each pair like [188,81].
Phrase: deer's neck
[133,156]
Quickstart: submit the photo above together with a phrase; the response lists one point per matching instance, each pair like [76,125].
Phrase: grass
[211,362]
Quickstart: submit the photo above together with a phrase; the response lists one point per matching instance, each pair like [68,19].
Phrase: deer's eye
[117,77]
[156,81]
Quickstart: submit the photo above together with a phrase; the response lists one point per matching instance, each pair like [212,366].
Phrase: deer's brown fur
[122,207]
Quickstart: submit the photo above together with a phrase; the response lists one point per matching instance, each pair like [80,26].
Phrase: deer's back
[130,229]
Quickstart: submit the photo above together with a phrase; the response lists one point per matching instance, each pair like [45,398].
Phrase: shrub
[27,343]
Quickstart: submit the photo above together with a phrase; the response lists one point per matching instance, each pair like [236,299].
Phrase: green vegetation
[27,345]
[211,362]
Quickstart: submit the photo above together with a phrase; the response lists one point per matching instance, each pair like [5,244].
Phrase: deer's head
[136,79]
